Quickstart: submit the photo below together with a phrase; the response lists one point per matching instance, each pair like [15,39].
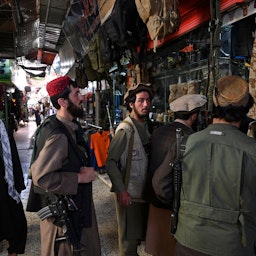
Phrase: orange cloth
[99,144]
[188,48]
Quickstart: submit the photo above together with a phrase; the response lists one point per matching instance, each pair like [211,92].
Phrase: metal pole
[97,104]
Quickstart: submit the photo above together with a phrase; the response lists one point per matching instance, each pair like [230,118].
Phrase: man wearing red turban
[62,168]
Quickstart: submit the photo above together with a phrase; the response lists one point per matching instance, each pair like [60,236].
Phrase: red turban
[57,85]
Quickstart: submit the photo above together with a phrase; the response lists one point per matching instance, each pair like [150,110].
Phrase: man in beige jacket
[126,166]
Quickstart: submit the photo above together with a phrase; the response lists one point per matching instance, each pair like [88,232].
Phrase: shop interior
[181,63]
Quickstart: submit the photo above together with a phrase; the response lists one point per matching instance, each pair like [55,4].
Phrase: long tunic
[50,172]
[159,241]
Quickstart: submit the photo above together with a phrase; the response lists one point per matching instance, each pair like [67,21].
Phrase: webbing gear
[129,156]
[35,142]
[177,177]
[214,29]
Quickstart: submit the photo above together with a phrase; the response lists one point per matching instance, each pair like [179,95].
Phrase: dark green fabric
[217,211]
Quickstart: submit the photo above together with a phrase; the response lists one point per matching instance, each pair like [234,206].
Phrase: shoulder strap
[57,125]
[35,142]
[129,156]
[177,178]
[71,140]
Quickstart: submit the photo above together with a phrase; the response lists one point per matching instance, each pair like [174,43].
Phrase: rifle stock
[176,176]
[59,207]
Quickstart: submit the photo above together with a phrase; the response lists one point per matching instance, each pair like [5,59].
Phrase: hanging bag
[162,17]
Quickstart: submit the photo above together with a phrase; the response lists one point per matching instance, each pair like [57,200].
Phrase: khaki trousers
[132,222]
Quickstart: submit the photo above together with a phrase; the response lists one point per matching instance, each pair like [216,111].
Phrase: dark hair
[132,99]
[232,113]
[184,116]
[64,94]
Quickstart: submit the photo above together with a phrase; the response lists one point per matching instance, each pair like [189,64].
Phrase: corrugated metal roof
[52,15]
[17,18]
[28,25]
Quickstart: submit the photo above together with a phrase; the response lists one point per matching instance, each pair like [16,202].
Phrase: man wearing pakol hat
[62,168]
[127,165]
[217,208]
[186,109]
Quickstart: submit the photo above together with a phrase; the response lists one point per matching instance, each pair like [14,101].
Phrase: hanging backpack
[91,74]
[105,9]
[100,53]
[124,26]
[162,17]
[81,78]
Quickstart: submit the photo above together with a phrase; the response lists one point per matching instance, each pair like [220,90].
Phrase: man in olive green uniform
[217,214]
[126,166]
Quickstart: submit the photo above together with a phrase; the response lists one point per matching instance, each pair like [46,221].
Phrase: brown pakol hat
[231,90]
[134,89]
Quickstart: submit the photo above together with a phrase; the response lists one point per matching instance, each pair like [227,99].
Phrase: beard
[139,115]
[74,110]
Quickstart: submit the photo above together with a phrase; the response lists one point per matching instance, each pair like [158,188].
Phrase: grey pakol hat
[188,103]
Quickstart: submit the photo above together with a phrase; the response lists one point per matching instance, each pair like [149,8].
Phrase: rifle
[177,177]
[59,207]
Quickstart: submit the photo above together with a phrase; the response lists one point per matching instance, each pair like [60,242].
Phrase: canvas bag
[102,52]
[91,74]
[109,52]
[81,77]
[105,9]
[94,54]
[124,26]
[137,73]
[162,17]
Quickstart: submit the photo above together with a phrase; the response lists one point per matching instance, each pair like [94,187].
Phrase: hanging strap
[129,156]
[214,28]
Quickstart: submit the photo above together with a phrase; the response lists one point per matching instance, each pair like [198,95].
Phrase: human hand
[86,174]
[124,198]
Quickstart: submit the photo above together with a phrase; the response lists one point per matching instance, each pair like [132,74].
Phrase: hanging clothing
[99,144]
[13,223]
[8,167]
